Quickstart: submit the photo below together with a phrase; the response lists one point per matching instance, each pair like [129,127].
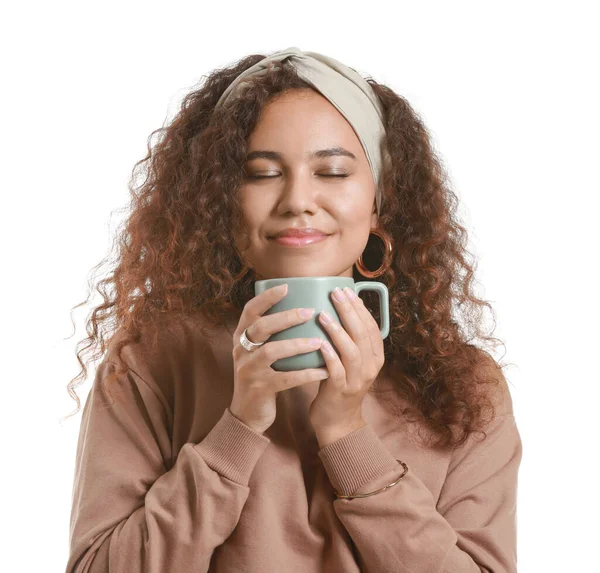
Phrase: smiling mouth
[299,241]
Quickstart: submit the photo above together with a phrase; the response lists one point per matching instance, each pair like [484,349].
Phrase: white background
[508,91]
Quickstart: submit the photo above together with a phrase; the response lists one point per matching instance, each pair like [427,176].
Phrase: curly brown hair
[177,259]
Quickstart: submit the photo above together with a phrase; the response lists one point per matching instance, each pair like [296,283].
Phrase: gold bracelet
[340,496]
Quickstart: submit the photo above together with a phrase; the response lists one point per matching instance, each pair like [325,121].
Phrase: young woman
[194,454]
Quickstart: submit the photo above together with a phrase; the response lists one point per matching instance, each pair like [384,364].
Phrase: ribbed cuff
[356,459]
[232,449]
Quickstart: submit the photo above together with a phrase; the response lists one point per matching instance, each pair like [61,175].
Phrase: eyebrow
[319,154]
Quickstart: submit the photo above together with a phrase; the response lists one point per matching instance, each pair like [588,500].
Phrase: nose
[299,193]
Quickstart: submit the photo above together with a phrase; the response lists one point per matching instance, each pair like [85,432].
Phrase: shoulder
[162,355]
[491,380]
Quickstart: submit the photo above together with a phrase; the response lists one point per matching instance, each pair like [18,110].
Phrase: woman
[194,454]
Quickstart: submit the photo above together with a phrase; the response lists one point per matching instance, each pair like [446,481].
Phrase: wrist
[330,434]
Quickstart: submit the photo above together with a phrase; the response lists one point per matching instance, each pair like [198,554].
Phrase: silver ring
[248,344]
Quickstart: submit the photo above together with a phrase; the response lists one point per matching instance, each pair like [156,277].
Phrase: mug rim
[286,279]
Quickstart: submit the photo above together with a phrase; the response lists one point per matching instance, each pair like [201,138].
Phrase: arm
[131,515]
[471,529]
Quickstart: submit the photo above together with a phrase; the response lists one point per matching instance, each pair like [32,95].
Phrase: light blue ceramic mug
[315,292]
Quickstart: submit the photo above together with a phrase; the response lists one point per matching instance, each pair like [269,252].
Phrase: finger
[350,354]
[374,332]
[335,368]
[287,380]
[370,324]
[353,337]
[275,350]
[353,322]
[264,326]
[258,305]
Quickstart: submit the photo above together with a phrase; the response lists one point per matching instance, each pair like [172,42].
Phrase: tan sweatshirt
[168,480]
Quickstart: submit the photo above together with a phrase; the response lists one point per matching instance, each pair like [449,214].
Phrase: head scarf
[345,88]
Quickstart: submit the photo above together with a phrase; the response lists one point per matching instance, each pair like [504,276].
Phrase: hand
[337,408]
[255,383]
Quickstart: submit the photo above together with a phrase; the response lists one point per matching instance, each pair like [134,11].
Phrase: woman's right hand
[255,382]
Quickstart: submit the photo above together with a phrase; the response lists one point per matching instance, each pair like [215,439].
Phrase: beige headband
[346,89]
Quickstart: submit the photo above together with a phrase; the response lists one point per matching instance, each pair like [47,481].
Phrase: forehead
[302,119]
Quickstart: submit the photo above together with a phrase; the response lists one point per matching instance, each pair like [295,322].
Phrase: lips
[299,241]
[299,233]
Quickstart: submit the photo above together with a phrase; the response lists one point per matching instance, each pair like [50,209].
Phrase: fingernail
[325,317]
[327,347]
[350,292]
[306,312]
[339,294]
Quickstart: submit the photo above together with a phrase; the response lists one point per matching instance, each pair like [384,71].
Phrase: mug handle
[383,293]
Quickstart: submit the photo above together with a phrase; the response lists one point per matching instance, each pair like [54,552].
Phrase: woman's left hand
[337,408]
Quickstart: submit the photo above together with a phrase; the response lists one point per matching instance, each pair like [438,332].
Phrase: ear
[374,217]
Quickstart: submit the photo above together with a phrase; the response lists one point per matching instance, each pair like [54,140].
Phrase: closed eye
[274,176]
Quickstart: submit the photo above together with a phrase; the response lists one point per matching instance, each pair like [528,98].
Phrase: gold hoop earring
[387,256]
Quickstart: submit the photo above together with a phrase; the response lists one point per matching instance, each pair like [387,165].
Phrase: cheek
[354,213]
[353,241]
[354,227]
[252,210]
[356,200]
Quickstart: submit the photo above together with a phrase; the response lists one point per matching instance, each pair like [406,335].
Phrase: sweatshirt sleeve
[129,514]
[471,528]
